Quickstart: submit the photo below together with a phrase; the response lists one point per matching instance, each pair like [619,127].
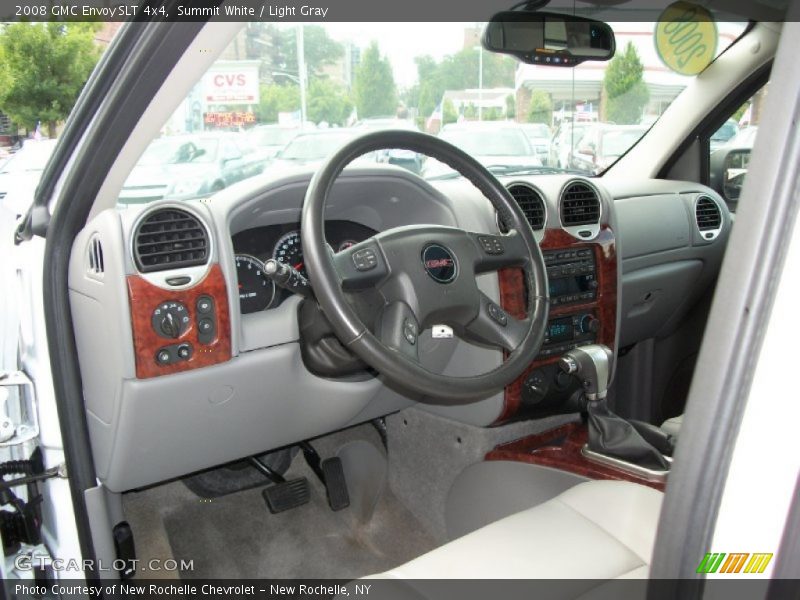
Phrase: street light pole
[480,82]
[301,67]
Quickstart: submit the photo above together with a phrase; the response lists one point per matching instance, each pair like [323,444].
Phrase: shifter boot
[612,435]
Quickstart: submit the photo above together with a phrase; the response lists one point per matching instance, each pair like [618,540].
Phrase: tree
[626,92]
[511,106]
[276,99]
[449,113]
[328,102]
[319,49]
[541,108]
[45,66]
[375,91]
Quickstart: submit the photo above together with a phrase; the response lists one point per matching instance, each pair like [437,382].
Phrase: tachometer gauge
[256,291]
[289,251]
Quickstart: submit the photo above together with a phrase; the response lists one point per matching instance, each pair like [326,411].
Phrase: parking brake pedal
[331,474]
[287,495]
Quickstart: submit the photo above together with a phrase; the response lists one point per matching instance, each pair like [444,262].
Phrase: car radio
[567,332]
[572,276]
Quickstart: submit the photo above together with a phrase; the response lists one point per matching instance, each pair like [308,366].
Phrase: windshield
[33,157]
[180,151]
[313,147]
[435,78]
[489,142]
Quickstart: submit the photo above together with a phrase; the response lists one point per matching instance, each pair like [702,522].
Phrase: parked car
[269,139]
[310,149]
[492,143]
[540,137]
[190,166]
[393,156]
[602,144]
[565,140]
[726,132]
[20,174]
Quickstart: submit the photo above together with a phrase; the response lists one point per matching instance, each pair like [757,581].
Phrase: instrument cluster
[281,242]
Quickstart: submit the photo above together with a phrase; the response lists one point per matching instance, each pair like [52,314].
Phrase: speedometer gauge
[256,291]
[289,251]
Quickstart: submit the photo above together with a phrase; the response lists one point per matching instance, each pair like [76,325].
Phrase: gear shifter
[610,434]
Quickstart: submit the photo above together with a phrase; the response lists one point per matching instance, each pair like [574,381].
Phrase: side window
[730,147]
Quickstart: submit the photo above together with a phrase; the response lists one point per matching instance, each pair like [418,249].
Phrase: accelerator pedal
[287,495]
[335,483]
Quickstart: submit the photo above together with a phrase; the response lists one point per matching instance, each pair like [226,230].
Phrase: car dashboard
[206,364]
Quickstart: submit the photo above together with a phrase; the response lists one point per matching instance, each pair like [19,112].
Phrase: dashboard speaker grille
[170,238]
[579,205]
[531,203]
[707,215]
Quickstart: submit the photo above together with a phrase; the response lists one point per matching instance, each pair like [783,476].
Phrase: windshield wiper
[513,170]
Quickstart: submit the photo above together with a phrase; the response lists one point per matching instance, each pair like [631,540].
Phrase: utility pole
[480,82]
[301,68]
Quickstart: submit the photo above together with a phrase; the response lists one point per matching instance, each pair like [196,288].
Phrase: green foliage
[276,99]
[449,113]
[374,89]
[511,106]
[626,93]
[328,102]
[44,69]
[459,71]
[541,108]
[319,50]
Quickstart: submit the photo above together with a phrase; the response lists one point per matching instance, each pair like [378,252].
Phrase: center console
[582,281]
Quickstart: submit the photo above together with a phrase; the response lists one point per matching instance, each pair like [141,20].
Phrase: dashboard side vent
[96,262]
[707,214]
[531,203]
[579,205]
[170,238]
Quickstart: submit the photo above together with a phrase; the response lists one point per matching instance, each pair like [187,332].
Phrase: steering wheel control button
[491,245]
[497,314]
[170,320]
[205,305]
[410,332]
[365,259]
[440,263]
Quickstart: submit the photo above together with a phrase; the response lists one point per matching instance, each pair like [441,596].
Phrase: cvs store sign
[231,82]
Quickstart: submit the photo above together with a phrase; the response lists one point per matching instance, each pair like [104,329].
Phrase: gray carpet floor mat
[235,536]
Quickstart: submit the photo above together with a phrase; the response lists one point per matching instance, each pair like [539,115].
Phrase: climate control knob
[589,324]
[170,320]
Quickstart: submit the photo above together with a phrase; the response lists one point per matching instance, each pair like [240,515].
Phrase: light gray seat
[595,530]
[673,426]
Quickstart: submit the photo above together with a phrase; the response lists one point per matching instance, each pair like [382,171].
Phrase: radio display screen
[559,330]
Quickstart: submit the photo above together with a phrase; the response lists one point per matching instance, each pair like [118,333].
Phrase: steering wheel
[426,275]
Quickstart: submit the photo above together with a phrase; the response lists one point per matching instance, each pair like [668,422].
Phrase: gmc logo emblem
[439,263]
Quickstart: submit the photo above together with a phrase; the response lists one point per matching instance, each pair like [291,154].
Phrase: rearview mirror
[549,38]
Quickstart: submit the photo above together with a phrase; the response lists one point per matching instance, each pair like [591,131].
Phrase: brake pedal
[287,495]
[335,483]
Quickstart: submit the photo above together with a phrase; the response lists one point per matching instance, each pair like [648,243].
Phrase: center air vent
[708,217]
[579,205]
[531,203]
[170,238]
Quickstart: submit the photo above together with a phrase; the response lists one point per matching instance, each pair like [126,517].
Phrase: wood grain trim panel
[604,307]
[145,298]
[560,448]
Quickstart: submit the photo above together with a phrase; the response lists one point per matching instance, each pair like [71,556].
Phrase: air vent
[579,205]
[170,238]
[96,263]
[707,215]
[531,203]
